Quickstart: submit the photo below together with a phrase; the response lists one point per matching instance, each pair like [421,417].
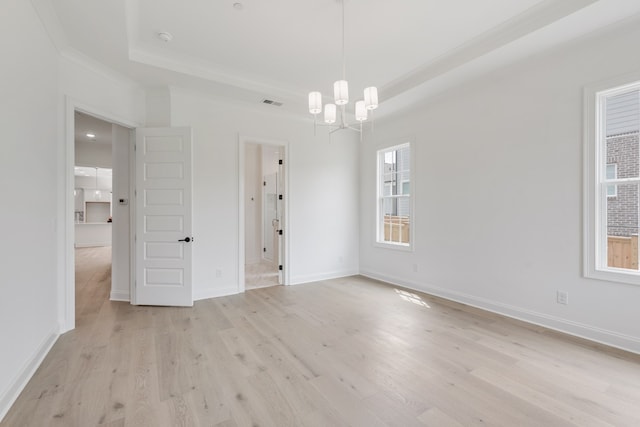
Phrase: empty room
[320,213]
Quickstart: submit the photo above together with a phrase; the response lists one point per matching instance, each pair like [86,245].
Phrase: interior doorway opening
[100,219]
[264,215]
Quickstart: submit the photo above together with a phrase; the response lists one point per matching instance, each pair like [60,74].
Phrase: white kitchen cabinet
[90,195]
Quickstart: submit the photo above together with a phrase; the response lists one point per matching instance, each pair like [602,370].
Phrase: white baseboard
[299,280]
[591,333]
[23,376]
[120,296]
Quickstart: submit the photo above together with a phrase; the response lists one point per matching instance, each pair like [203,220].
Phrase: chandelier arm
[327,125]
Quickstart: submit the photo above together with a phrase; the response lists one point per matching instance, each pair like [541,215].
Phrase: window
[612,173]
[612,182]
[394,225]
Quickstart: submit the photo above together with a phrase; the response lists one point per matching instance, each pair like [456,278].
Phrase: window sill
[394,246]
[613,275]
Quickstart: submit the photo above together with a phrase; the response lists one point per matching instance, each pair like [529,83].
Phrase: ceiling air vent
[272,102]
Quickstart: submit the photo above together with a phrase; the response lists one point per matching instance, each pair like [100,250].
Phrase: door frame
[242,143]
[67,274]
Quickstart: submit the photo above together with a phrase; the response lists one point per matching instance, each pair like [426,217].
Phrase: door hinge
[280,197]
[280,268]
[264,183]
[280,162]
[280,232]
[264,249]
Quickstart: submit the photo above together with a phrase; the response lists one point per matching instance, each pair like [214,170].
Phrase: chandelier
[341,99]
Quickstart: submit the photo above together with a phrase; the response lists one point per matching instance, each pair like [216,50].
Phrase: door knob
[186,239]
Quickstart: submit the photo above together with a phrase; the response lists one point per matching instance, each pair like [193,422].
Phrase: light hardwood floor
[336,353]
[260,275]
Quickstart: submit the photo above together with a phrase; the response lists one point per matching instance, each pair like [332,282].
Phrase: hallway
[93,281]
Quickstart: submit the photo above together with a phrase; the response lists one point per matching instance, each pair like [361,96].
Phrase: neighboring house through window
[612,181]
[612,173]
[394,217]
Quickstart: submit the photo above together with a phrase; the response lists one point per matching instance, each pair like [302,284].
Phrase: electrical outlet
[562,297]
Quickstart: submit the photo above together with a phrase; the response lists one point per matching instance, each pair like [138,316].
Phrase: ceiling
[88,125]
[282,49]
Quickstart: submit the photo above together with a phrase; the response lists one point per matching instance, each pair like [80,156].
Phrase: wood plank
[350,351]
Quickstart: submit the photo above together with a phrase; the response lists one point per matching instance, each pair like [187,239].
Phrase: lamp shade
[361,111]
[371,98]
[330,113]
[315,102]
[341,92]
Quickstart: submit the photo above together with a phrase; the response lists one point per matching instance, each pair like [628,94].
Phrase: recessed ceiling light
[165,36]
[238,6]
[91,135]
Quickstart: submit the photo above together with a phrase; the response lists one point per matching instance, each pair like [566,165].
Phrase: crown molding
[49,19]
[79,58]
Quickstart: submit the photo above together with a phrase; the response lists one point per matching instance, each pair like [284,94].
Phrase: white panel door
[270,224]
[280,217]
[163,217]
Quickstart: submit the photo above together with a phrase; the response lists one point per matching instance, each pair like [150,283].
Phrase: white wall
[100,91]
[253,203]
[323,192]
[29,123]
[96,90]
[498,194]
[96,155]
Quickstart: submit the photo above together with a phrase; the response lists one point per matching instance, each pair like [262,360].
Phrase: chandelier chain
[344,66]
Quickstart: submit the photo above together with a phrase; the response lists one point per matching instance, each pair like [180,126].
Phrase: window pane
[390,157]
[390,206]
[622,227]
[406,188]
[396,220]
[621,133]
[612,173]
[395,204]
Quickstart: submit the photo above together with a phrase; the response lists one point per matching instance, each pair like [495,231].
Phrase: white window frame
[379,224]
[595,182]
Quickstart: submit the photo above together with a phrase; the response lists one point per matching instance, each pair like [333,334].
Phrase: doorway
[98,216]
[92,216]
[264,209]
